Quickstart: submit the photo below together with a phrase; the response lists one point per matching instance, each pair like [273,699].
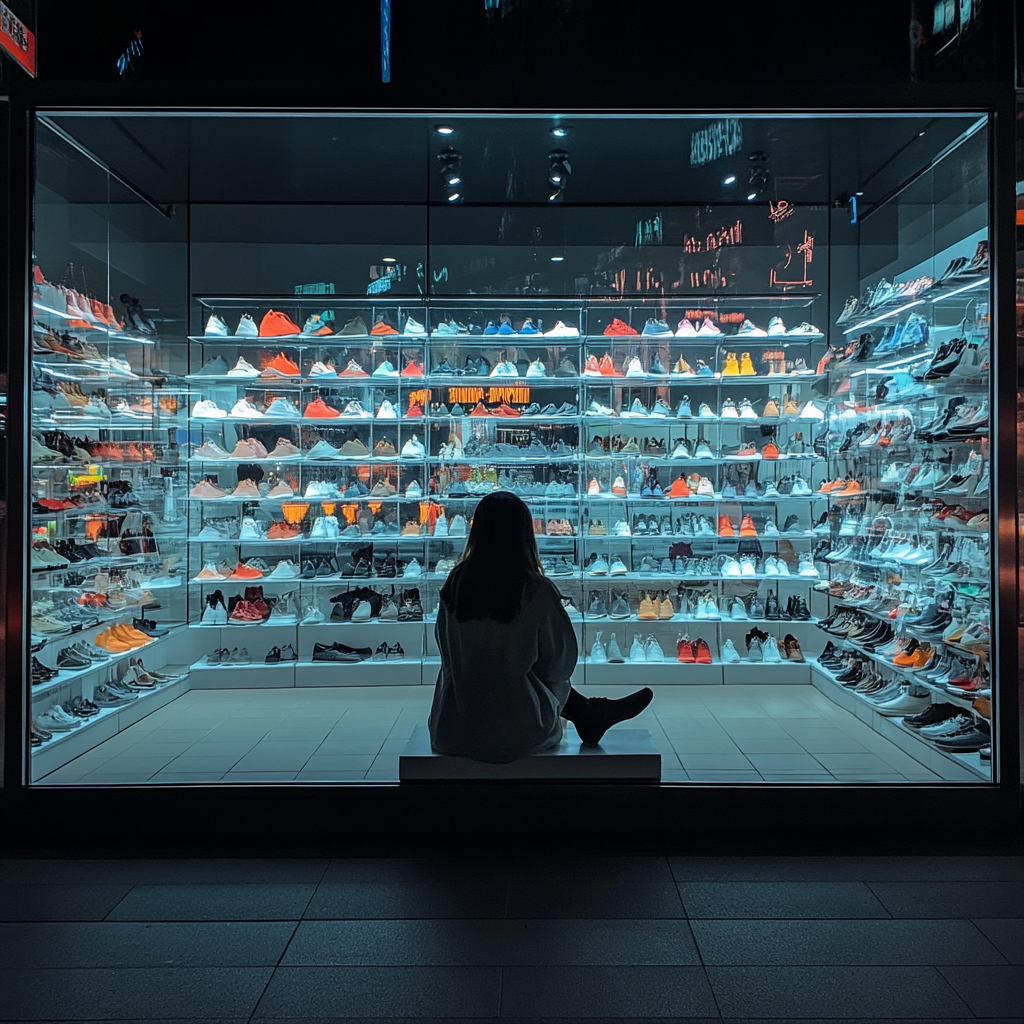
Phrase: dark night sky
[667,41]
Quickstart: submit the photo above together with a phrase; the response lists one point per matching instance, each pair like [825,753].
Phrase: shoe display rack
[107,522]
[909,626]
[337,456]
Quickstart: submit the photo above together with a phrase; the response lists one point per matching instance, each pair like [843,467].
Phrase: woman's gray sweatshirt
[502,685]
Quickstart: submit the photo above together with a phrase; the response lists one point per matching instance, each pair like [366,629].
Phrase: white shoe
[281,408]
[614,653]
[597,652]
[243,369]
[729,653]
[250,530]
[244,409]
[386,411]
[204,409]
[323,450]
[215,328]
[386,369]
[313,615]
[413,448]
[286,569]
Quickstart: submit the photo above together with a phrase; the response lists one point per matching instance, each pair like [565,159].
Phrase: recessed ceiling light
[388,259]
[557,259]
[751,197]
[559,131]
[444,129]
[729,179]
[454,197]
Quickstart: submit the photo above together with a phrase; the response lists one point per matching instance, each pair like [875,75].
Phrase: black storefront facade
[346,215]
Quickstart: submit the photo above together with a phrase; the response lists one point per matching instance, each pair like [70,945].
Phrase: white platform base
[622,754]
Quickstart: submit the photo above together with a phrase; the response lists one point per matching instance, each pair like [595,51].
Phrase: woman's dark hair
[499,558]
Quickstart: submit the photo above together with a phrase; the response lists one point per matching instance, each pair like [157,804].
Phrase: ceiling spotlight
[444,129]
[388,259]
[559,131]
[751,197]
[451,172]
[559,168]
[759,173]
[557,259]
[557,195]
[729,179]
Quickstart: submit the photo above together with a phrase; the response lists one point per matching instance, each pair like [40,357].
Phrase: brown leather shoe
[793,652]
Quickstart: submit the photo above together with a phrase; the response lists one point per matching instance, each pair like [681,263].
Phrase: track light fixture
[559,170]
[451,173]
[759,174]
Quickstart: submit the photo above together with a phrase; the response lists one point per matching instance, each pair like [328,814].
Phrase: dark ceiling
[393,159]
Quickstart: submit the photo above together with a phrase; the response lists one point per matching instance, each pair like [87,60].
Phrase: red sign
[17,40]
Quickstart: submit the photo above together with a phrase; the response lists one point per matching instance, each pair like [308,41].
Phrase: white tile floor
[705,734]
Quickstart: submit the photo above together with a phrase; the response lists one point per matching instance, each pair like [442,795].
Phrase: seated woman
[508,649]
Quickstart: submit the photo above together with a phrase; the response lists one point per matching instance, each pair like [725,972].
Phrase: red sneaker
[607,368]
[503,410]
[318,409]
[684,651]
[277,325]
[617,326]
[591,365]
[415,409]
[480,410]
[282,364]
[413,369]
[701,652]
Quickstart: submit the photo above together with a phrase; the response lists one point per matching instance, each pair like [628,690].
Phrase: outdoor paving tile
[867,943]
[602,991]
[592,870]
[60,945]
[565,899]
[196,870]
[60,901]
[794,993]
[364,900]
[112,994]
[780,900]
[909,867]
[951,899]
[1007,936]
[215,902]
[989,991]
[420,870]
[308,992]
[495,943]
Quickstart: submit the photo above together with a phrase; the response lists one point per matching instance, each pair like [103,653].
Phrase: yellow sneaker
[648,609]
[747,366]
[732,368]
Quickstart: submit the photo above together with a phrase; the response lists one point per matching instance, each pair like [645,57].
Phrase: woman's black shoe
[594,716]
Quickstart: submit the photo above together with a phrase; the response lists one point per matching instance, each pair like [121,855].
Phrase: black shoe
[594,716]
[932,715]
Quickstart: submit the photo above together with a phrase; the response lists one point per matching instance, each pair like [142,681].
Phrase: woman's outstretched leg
[594,716]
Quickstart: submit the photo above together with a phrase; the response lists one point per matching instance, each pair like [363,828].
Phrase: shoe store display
[716,454]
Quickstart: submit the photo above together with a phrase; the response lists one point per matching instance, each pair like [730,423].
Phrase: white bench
[627,754]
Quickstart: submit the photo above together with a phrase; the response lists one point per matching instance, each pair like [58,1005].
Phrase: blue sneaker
[703,370]
[506,328]
[491,328]
[528,327]
[684,412]
[656,366]
[657,329]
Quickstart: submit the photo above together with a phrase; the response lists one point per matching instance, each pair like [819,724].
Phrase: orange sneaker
[619,487]
[618,327]
[725,527]
[679,489]
[828,486]
[607,367]
[771,408]
[504,410]
[852,487]
[277,325]
[244,572]
[382,327]
[353,369]
[413,368]
[480,410]
[318,409]
[770,451]
[283,365]
[747,528]
[415,409]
